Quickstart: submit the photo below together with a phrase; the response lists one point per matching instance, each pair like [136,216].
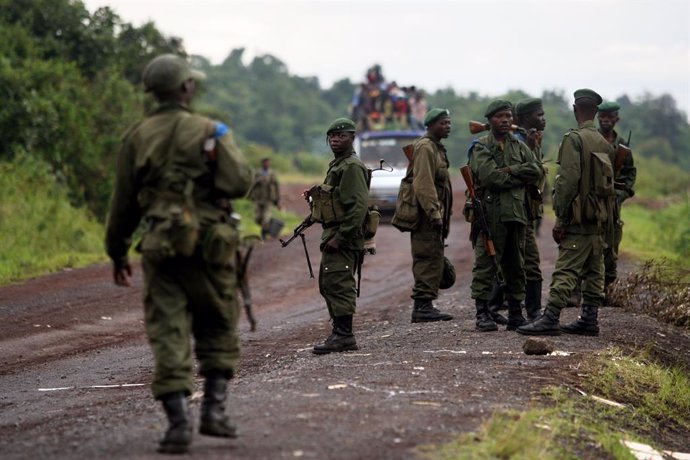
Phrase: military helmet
[448,276]
[167,72]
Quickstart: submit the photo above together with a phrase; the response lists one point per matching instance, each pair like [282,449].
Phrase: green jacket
[567,184]
[169,143]
[503,193]
[349,178]
[431,179]
[628,173]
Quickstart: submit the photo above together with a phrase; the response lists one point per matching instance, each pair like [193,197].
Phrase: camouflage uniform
[504,197]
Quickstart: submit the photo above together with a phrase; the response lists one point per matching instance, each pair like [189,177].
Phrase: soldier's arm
[233,175]
[354,196]
[276,191]
[530,171]
[125,212]
[424,168]
[566,185]
[488,173]
[627,176]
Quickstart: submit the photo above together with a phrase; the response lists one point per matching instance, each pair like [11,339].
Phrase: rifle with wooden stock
[477,127]
[480,224]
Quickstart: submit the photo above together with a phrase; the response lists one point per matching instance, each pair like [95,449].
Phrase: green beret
[609,106]
[167,72]
[588,93]
[496,106]
[527,105]
[435,114]
[341,124]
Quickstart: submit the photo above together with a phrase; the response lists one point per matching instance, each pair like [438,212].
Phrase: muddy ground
[75,364]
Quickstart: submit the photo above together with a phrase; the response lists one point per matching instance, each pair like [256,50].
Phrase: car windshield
[388,148]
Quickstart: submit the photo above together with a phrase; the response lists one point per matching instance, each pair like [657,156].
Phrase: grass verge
[569,423]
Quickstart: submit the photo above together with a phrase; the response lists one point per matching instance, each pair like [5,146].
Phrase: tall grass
[41,232]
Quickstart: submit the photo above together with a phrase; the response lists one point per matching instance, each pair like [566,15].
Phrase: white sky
[488,46]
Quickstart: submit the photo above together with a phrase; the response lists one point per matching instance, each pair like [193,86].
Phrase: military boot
[178,437]
[533,300]
[214,421]
[546,324]
[515,318]
[496,304]
[484,322]
[341,339]
[425,312]
[585,324]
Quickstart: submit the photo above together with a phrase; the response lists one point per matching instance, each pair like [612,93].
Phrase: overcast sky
[488,46]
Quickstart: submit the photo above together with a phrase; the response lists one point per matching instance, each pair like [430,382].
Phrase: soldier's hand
[505,169]
[558,234]
[437,224]
[122,272]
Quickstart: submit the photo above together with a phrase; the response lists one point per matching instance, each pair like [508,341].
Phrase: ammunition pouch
[371,222]
[220,244]
[326,207]
[406,217]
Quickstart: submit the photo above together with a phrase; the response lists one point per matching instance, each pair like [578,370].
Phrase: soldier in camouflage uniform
[503,167]
[578,234]
[624,184]
[433,193]
[342,240]
[177,171]
[265,193]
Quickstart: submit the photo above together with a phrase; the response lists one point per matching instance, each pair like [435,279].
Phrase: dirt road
[75,364]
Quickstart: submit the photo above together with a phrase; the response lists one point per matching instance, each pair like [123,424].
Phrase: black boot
[585,324]
[496,304]
[546,324]
[214,421]
[425,312]
[179,434]
[533,300]
[484,322]
[341,339]
[515,318]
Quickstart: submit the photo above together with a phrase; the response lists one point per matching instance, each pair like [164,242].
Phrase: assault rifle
[622,153]
[408,150]
[299,231]
[477,127]
[480,221]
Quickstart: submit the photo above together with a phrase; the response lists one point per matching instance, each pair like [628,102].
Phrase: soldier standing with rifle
[502,167]
[341,207]
[624,184]
[582,195]
[433,197]
[177,171]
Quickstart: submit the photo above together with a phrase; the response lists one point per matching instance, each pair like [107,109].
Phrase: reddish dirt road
[76,365]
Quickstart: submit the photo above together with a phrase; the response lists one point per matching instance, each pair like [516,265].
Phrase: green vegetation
[567,424]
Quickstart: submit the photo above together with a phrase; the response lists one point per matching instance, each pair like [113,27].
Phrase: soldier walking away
[177,171]
[433,197]
[583,195]
[265,193]
[503,168]
[341,204]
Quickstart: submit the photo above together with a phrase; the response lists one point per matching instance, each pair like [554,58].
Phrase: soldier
[502,167]
[346,193]
[265,193]
[177,171]
[432,190]
[624,184]
[578,228]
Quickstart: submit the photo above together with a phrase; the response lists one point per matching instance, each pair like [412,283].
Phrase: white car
[374,146]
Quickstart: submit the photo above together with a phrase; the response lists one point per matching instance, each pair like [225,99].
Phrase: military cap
[435,114]
[341,124]
[496,106]
[588,93]
[167,72]
[527,105]
[448,275]
[609,106]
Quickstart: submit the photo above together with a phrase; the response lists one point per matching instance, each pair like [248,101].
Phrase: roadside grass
[568,423]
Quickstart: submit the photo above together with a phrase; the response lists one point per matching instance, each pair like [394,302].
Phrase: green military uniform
[625,178]
[265,193]
[337,284]
[504,198]
[171,140]
[432,189]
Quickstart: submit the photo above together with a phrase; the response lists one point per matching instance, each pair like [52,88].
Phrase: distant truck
[374,146]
